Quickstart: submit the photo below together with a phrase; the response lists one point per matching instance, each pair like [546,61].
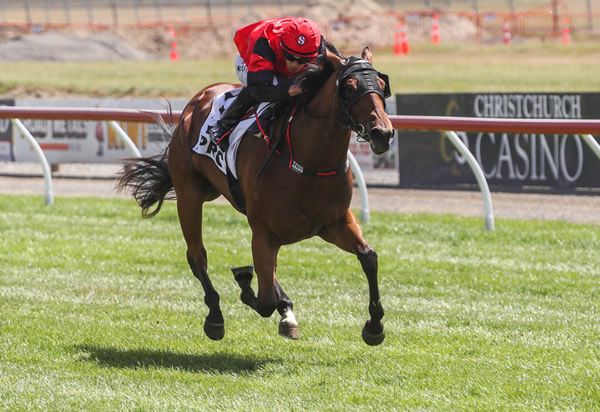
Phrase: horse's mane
[311,79]
[315,75]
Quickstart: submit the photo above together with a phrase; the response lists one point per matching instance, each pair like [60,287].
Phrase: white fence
[584,128]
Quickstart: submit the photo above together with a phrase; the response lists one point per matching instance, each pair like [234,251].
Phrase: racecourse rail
[584,128]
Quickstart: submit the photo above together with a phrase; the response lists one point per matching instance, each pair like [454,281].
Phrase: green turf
[99,311]
[531,66]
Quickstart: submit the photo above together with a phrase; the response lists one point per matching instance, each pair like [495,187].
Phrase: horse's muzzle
[379,139]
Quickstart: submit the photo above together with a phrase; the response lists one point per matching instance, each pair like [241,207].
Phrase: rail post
[365,215]
[592,143]
[124,138]
[48,195]
[488,217]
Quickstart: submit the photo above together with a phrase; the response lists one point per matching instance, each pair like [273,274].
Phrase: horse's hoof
[288,325]
[288,330]
[215,331]
[373,339]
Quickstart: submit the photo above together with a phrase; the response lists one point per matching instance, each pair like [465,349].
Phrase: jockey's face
[294,66]
[294,63]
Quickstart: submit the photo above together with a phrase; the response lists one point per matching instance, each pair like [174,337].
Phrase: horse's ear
[367,54]
[334,59]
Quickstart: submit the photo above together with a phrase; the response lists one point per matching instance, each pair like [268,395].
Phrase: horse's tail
[148,179]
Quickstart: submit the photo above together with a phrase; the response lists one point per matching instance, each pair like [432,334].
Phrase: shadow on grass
[221,363]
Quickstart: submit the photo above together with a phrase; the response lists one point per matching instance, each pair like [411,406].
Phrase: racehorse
[295,191]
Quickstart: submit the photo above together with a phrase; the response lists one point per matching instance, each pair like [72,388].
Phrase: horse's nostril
[384,133]
[378,134]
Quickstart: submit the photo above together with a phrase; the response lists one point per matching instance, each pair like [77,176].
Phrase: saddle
[258,122]
[262,126]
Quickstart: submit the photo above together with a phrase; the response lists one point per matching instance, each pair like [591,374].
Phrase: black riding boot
[231,117]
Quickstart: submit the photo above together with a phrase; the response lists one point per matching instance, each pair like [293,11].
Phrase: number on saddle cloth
[221,156]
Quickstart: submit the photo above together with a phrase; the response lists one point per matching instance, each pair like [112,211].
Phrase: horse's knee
[368,261]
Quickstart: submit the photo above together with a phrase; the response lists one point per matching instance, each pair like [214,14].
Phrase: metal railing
[584,128]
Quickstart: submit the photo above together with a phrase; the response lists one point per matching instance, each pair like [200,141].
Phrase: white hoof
[288,326]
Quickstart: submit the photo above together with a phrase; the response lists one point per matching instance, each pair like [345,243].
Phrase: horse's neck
[318,140]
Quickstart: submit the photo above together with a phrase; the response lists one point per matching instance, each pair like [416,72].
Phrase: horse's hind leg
[189,208]
[214,324]
[348,236]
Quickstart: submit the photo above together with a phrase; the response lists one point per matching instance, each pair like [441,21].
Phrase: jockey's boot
[220,133]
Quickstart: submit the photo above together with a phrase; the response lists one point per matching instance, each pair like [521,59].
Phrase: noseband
[366,77]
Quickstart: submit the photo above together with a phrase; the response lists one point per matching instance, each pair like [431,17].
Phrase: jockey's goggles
[293,58]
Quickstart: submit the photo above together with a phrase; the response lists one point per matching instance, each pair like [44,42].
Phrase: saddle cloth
[205,147]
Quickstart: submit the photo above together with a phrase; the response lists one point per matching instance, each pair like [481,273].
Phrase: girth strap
[301,170]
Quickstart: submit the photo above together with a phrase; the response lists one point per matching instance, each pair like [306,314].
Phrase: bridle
[366,77]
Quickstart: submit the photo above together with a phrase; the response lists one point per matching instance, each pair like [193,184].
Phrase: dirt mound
[332,9]
[351,24]
[453,28]
[53,46]
[192,42]
[348,24]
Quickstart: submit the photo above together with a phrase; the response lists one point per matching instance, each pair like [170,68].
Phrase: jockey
[270,53]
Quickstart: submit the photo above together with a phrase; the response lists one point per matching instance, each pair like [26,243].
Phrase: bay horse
[307,194]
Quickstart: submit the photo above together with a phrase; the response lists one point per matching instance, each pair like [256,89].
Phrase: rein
[289,160]
[367,76]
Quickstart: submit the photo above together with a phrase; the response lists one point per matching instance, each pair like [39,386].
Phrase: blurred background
[149,25]
[440,55]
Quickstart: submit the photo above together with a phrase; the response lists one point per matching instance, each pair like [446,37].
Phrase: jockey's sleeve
[264,91]
[261,70]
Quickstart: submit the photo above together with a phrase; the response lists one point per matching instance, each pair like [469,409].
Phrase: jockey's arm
[261,87]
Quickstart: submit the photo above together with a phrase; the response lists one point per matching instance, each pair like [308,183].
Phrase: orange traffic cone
[506,32]
[397,40]
[401,45]
[174,54]
[566,31]
[435,29]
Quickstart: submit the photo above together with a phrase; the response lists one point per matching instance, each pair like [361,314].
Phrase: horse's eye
[349,87]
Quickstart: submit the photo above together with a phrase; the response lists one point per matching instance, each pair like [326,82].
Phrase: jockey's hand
[295,89]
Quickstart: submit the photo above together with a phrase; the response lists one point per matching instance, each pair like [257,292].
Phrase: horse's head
[361,94]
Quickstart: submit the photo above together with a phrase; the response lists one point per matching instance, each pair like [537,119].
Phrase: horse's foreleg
[347,235]
[288,326]
[373,332]
[271,295]
[264,254]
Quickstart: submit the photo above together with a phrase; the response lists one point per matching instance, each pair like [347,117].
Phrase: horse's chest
[312,211]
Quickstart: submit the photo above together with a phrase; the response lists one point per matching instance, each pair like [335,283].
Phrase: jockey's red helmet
[301,37]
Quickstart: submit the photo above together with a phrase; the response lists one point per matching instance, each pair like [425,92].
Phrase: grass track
[99,311]
[454,68]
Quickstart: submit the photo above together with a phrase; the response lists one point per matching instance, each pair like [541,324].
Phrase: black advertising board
[510,160]
[6,134]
